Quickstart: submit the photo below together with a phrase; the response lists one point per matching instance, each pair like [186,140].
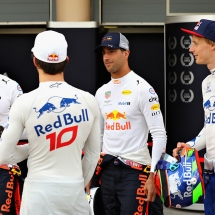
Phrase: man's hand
[150,188]
[87,188]
[179,146]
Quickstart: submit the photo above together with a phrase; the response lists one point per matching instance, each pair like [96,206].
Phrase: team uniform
[205,139]
[60,121]
[9,92]
[130,110]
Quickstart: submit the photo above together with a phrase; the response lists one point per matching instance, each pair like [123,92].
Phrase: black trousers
[7,188]
[122,190]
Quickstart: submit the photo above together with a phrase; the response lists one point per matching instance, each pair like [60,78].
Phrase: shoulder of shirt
[208,76]
[206,80]
[27,96]
[10,82]
[140,83]
[104,87]
[82,92]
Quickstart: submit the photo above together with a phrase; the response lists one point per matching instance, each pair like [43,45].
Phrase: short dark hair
[51,68]
[122,49]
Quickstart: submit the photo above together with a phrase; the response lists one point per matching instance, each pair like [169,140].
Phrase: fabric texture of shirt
[205,139]
[130,109]
[61,121]
[9,91]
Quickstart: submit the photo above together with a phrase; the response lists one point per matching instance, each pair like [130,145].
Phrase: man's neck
[43,77]
[121,73]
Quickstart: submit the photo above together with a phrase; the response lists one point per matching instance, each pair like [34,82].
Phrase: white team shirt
[60,121]
[9,92]
[130,109]
[205,138]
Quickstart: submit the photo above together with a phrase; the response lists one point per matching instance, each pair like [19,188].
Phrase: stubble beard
[112,69]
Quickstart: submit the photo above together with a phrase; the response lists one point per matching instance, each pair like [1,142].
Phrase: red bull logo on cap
[106,39]
[115,115]
[53,57]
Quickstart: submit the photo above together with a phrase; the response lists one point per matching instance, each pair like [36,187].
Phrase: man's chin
[199,62]
[109,70]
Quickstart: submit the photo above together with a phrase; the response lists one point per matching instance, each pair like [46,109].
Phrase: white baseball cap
[50,46]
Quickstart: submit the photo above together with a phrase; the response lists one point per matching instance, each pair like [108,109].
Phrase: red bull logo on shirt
[56,104]
[62,121]
[115,115]
[209,104]
[65,127]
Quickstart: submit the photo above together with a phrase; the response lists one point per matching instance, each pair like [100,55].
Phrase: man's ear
[34,61]
[126,53]
[213,46]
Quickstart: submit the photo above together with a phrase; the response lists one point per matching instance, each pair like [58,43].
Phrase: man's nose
[191,48]
[105,56]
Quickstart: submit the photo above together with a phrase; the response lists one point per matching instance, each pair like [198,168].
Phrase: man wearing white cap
[61,121]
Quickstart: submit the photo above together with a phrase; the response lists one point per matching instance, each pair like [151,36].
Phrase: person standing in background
[60,121]
[129,109]
[203,49]
[10,90]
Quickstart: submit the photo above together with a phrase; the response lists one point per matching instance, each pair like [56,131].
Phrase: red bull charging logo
[115,115]
[53,57]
